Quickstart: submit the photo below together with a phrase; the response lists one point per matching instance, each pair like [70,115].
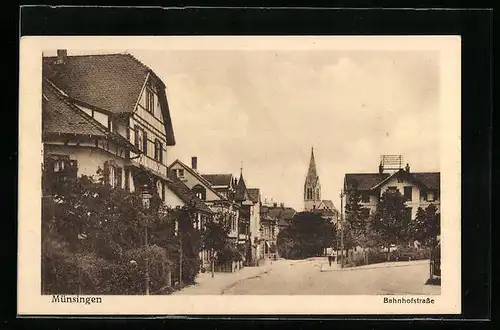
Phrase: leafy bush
[409,253]
[229,254]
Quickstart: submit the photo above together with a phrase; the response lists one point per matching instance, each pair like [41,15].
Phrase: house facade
[420,189]
[123,98]
[205,191]
[274,217]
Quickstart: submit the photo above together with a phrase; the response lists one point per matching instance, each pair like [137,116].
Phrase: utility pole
[147,256]
[342,228]
[146,199]
[180,255]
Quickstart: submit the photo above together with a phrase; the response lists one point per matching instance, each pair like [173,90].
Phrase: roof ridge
[196,174]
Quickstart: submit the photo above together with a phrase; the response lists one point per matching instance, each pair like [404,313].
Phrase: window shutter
[136,136]
[118,175]
[160,150]
[145,142]
[105,173]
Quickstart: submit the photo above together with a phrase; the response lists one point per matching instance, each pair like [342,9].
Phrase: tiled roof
[185,194]
[60,116]
[430,179]
[363,181]
[218,179]
[282,214]
[111,82]
[254,194]
[366,181]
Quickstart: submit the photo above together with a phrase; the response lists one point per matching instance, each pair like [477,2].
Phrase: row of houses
[111,112]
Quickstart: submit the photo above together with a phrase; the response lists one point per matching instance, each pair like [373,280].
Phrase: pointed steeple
[241,188]
[312,186]
[312,174]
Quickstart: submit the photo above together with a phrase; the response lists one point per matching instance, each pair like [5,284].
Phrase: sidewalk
[336,267]
[206,285]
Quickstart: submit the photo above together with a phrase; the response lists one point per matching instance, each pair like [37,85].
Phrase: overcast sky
[267,109]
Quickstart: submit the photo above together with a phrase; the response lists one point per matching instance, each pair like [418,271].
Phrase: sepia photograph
[273,168]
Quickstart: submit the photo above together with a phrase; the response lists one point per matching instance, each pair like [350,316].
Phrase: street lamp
[342,194]
[146,197]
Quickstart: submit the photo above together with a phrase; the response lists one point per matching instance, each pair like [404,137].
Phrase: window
[150,99]
[199,191]
[127,182]
[158,155]
[365,198]
[431,196]
[180,173]
[309,193]
[115,176]
[392,189]
[408,193]
[141,139]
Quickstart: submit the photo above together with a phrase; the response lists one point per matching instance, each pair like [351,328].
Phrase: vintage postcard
[239,175]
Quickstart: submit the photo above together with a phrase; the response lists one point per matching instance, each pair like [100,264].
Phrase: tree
[307,235]
[427,225]
[90,231]
[390,220]
[215,235]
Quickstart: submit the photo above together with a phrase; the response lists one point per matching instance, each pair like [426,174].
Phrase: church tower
[312,187]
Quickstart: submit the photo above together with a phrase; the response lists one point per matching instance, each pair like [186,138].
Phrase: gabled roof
[327,204]
[254,194]
[369,181]
[60,116]
[219,179]
[111,82]
[200,178]
[186,195]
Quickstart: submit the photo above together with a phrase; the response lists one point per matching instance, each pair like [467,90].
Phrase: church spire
[312,174]
[312,187]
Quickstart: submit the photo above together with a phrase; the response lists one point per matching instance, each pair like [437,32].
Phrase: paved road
[314,277]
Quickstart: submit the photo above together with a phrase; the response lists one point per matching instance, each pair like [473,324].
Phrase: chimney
[407,168]
[282,205]
[194,163]
[61,56]
[380,168]
[275,204]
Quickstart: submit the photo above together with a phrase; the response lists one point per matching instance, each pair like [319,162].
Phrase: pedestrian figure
[331,258]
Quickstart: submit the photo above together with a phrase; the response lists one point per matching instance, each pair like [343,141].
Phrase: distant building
[273,219]
[419,188]
[312,193]
[312,186]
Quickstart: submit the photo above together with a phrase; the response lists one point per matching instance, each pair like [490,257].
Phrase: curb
[374,266]
[229,287]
